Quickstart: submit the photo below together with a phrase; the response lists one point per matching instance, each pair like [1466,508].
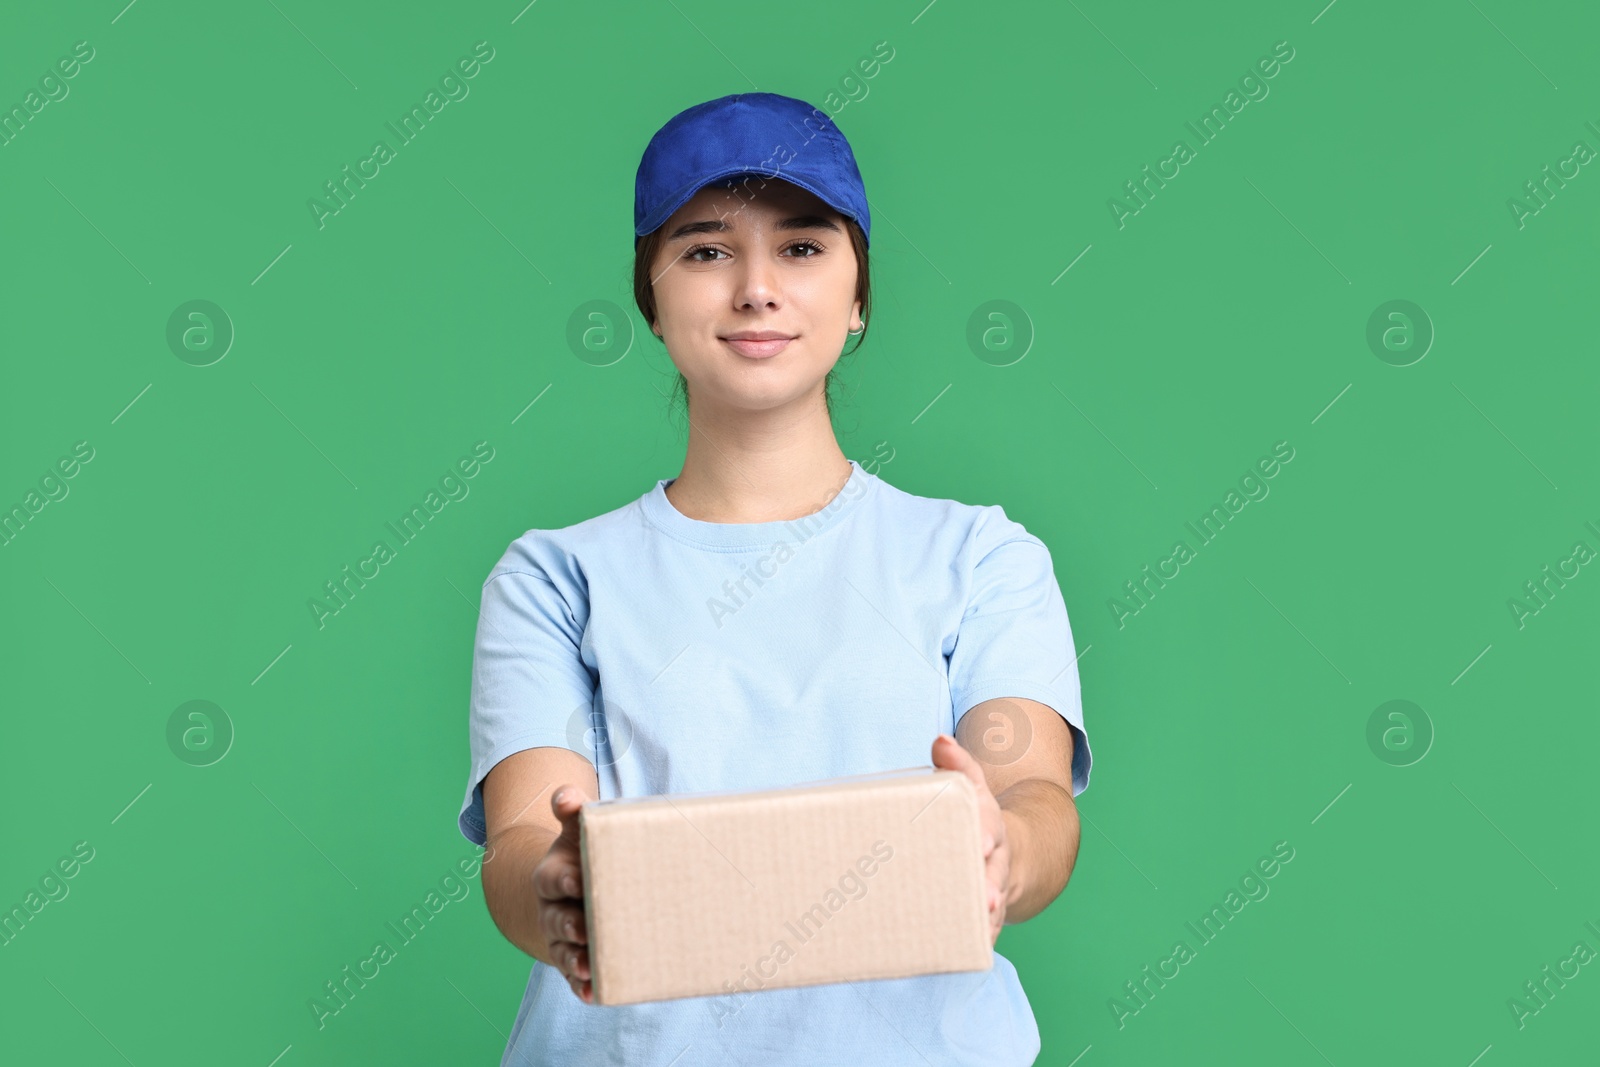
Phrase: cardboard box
[715,894]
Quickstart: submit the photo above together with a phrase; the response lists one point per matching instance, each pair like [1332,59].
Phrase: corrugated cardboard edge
[588,903]
[844,779]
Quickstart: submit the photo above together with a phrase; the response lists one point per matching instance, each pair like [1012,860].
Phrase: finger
[995,868]
[565,802]
[569,923]
[562,955]
[996,832]
[559,876]
[559,921]
[576,926]
[559,873]
[571,960]
[998,876]
[949,755]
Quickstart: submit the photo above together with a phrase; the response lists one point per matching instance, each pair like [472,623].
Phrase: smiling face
[755,293]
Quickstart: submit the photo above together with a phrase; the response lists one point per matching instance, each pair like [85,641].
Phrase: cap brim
[656,218]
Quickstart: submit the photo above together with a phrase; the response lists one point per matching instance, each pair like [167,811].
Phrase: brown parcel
[708,894]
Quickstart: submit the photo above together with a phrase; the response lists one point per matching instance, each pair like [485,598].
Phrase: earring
[857,333]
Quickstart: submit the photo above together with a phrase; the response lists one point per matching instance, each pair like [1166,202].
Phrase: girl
[775,614]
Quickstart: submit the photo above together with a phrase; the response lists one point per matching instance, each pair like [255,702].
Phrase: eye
[696,250]
[815,248]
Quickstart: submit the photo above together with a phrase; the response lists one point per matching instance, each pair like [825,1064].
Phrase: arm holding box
[532,878]
[1031,828]
[1019,717]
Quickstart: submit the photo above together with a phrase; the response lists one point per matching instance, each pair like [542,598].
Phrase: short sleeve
[1014,638]
[530,686]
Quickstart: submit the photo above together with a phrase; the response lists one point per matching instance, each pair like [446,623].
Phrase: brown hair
[644,256]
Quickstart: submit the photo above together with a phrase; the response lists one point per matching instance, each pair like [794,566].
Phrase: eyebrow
[797,222]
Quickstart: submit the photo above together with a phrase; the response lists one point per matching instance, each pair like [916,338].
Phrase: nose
[758,285]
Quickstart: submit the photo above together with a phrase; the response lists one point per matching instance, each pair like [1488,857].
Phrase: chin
[762,396]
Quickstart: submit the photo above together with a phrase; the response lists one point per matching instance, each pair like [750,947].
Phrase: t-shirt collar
[729,536]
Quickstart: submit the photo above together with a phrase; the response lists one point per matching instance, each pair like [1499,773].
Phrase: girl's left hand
[949,755]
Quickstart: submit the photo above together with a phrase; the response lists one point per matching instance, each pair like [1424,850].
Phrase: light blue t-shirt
[686,656]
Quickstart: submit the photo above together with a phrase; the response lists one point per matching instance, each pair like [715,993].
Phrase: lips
[758,346]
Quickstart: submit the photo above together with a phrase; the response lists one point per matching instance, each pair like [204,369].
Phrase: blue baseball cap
[762,135]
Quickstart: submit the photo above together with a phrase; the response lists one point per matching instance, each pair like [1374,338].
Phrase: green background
[1230,313]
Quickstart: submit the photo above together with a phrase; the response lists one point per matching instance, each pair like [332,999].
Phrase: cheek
[682,300]
[826,297]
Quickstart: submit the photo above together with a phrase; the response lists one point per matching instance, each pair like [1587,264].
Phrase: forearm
[508,887]
[1042,830]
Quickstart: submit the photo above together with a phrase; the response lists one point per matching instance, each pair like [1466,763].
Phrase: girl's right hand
[558,886]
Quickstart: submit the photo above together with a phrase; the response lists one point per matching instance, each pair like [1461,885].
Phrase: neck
[759,467]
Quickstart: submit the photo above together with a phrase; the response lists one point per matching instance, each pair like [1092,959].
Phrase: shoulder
[972,531]
[557,555]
